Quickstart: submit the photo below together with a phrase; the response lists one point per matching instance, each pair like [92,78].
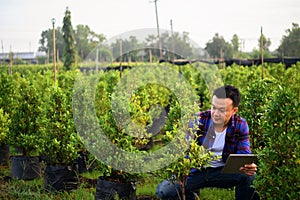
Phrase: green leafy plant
[195,157]
[278,171]
[83,98]
[4,126]
[144,105]
[23,130]
[69,41]
[256,97]
[61,142]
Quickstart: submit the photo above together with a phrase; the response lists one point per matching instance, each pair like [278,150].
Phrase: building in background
[22,57]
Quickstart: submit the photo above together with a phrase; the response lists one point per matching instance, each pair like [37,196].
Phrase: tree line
[82,40]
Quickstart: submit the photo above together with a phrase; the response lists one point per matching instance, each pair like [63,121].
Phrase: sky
[22,21]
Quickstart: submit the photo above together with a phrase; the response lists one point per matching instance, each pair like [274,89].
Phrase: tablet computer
[236,161]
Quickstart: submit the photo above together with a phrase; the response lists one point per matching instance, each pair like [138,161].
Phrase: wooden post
[54,50]
[58,61]
[10,61]
[97,59]
[48,57]
[262,53]
[221,58]
[121,68]
[173,45]
[150,56]
[3,59]
[240,52]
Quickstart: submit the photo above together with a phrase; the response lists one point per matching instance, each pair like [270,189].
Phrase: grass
[11,189]
[217,194]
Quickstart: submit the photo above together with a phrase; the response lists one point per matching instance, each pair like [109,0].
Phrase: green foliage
[24,111]
[4,126]
[235,41]
[61,143]
[217,194]
[265,42]
[240,76]
[69,41]
[256,54]
[6,99]
[291,78]
[278,176]
[86,40]
[277,71]
[34,189]
[144,100]
[256,97]
[6,92]
[87,92]
[290,43]
[195,157]
[272,114]
[219,48]
[46,43]
[128,46]
[180,43]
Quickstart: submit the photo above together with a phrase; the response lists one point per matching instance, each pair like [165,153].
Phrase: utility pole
[3,59]
[173,45]
[54,49]
[157,25]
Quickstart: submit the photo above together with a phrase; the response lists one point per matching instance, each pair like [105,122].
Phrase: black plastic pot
[25,167]
[81,162]
[110,190]
[60,178]
[4,155]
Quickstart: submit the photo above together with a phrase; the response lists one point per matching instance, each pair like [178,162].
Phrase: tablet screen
[236,161]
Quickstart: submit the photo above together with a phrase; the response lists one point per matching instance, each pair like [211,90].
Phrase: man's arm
[243,144]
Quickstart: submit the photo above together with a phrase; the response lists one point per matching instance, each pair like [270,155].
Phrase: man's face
[222,110]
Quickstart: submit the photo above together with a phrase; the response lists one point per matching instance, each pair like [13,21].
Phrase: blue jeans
[209,177]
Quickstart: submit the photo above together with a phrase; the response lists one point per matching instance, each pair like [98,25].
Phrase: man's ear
[235,109]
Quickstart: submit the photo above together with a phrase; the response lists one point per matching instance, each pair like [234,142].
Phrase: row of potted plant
[41,128]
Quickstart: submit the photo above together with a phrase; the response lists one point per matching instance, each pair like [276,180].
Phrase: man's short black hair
[229,91]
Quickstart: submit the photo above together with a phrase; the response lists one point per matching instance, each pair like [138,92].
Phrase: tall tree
[180,43]
[130,49]
[290,43]
[218,46]
[266,42]
[86,40]
[46,42]
[69,40]
[235,45]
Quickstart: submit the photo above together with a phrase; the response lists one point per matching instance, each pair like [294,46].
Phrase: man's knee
[248,180]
